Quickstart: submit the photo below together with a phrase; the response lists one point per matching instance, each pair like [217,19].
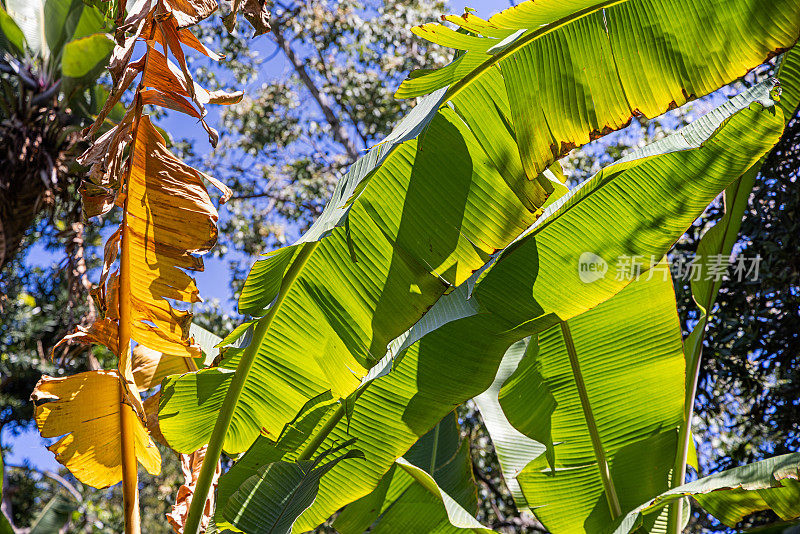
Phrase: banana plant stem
[231,400]
[128,422]
[597,445]
[675,519]
[130,489]
[128,418]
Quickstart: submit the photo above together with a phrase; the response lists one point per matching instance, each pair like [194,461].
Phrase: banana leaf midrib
[591,424]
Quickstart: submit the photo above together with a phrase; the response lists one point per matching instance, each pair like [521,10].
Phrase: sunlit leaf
[431,489]
[604,392]
[272,499]
[84,56]
[454,352]
[414,216]
[731,495]
[576,70]
[85,410]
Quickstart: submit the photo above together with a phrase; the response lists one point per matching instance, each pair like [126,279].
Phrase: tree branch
[339,132]
[49,474]
[344,106]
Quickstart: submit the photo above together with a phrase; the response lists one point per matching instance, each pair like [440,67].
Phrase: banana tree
[434,367]
[460,177]
[594,400]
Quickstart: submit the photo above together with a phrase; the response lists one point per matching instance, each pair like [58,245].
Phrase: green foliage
[55,514]
[731,495]
[273,498]
[83,56]
[443,347]
[570,392]
[348,56]
[443,208]
[430,489]
[508,303]
[59,40]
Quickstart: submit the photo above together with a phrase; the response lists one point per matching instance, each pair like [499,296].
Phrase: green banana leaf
[423,210]
[732,495]
[715,248]
[514,449]
[413,217]
[314,414]
[718,241]
[84,57]
[576,70]
[456,518]
[547,255]
[435,367]
[430,489]
[605,394]
[61,18]
[273,498]
[789,76]
[440,451]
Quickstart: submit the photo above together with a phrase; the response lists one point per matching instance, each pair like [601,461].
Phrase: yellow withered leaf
[101,332]
[164,75]
[189,12]
[150,367]
[169,220]
[85,410]
[150,406]
[190,465]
